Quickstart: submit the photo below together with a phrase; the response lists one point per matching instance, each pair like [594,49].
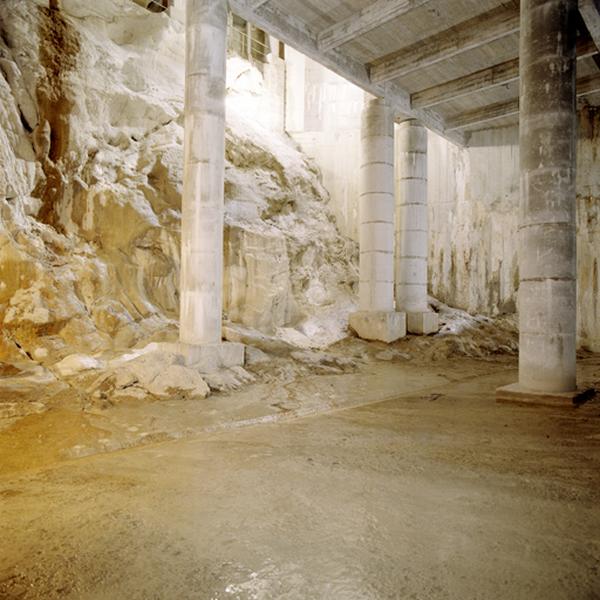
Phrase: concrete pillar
[547,252]
[412,232]
[376,318]
[204,164]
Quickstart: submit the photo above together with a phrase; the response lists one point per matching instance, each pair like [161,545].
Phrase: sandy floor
[437,493]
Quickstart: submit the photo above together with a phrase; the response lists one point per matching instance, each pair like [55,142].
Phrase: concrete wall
[323,115]
[473,207]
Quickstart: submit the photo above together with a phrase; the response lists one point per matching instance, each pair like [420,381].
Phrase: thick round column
[547,259]
[376,318]
[412,229]
[204,164]
[376,208]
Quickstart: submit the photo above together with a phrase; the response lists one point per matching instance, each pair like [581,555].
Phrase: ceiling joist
[365,20]
[484,79]
[470,34]
[590,11]
[295,34]
[589,84]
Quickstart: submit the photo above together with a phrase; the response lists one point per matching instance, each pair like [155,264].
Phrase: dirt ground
[400,479]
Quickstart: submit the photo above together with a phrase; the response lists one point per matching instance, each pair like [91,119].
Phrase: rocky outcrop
[91,98]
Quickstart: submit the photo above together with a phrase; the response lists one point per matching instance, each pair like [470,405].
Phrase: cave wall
[91,136]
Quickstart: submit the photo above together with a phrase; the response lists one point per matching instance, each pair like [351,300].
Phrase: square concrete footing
[422,323]
[208,358]
[516,394]
[381,326]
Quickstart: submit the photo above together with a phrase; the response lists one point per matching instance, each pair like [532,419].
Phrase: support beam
[412,229]
[479,81]
[298,36]
[258,3]
[590,11]
[365,20]
[589,84]
[485,114]
[376,318]
[201,286]
[484,79]
[475,32]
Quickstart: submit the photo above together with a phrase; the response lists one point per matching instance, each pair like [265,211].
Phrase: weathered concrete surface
[439,494]
[547,244]
[474,214]
[376,217]
[412,228]
[201,282]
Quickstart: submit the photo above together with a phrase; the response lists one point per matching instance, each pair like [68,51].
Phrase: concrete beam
[479,81]
[473,33]
[484,114]
[590,12]
[484,79]
[589,84]
[258,3]
[365,20]
[295,34]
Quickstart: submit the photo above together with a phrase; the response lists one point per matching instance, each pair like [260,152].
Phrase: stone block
[382,326]
[422,323]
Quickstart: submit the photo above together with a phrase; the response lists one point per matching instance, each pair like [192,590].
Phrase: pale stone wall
[323,114]
[474,199]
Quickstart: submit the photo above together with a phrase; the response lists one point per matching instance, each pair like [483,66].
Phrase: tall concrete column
[412,231]
[376,318]
[547,253]
[201,292]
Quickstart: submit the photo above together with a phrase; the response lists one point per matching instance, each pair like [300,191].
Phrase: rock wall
[474,212]
[91,99]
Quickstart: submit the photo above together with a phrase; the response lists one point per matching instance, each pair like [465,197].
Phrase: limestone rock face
[91,100]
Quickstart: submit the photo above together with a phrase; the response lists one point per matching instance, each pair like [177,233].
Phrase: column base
[381,326]
[422,323]
[208,358]
[515,393]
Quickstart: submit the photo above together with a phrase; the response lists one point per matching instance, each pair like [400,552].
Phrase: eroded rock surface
[91,99]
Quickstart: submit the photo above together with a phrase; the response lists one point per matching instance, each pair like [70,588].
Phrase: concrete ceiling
[453,64]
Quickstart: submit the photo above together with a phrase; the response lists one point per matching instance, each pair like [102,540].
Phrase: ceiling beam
[365,20]
[589,84]
[484,79]
[473,33]
[295,33]
[479,81]
[590,11]
[482,115]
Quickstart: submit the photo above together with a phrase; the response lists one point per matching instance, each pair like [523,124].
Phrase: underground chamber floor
[443,494]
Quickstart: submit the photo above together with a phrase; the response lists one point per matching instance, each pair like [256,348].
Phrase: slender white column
[547,259]
[204,162]
[376,208]
[376,318]
[412,229]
